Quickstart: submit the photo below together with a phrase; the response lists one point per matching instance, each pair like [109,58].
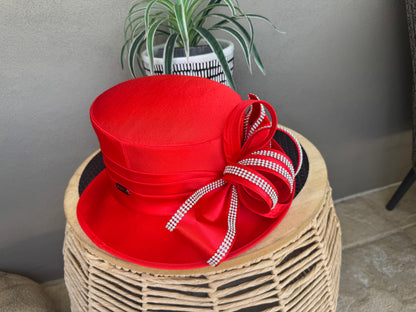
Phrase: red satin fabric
[164,137]
[164,124]
[236,149]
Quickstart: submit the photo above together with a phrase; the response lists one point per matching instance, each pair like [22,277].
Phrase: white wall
[340,75]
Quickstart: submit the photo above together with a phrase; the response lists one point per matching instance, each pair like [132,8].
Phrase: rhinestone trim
[284,159]
[269,165]
[281,166]
[246,122]
[191,201]
[258,121]
[255,179]
[229,237]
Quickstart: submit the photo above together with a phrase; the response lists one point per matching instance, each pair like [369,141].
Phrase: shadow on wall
[34,257]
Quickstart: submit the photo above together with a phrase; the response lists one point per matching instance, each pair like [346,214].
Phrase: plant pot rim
[228,48]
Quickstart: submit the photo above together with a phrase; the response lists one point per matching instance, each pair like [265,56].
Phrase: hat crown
[164,124]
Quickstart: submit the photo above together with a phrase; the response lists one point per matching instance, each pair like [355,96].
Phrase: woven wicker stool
[296,268]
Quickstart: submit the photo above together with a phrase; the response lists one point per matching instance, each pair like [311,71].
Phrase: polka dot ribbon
[259,175]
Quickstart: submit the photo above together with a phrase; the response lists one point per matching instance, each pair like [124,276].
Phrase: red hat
[193,176]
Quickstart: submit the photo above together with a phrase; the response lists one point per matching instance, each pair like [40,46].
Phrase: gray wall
[340,75]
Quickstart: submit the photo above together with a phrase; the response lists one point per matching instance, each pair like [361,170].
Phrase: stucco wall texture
[340,75]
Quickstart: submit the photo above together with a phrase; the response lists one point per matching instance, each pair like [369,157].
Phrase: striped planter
[201,63]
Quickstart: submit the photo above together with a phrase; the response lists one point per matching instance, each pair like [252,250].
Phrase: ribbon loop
[246,177]
[261,175]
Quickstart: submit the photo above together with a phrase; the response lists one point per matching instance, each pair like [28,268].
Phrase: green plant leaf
[186,19]
[242,42]
[187,3]
[138,3]
[168,5]
[258,60]
[162,31]
[217,49]
[250,24]
[230,4]
[147,14]
[123,49]
[168,53]
[139,64]
[183,29]
[135,13]
[202,15]
[261,17]
[240,27]
[130,21]
[245,33]
[136,29]
[193,8]
[253,48]
[133,51]
[150,42]
[212,4]
[135,5]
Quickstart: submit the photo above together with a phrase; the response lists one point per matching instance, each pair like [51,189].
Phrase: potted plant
[186,30]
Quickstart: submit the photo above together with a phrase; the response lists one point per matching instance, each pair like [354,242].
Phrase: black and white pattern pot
[202,62]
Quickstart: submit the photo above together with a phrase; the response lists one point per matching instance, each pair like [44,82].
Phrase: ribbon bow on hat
[259,176]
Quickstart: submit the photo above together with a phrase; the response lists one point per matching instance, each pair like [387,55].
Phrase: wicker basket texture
[296,268]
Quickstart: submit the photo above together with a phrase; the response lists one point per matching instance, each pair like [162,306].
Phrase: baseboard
[366,192]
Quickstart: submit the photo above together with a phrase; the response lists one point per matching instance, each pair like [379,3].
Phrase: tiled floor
[378,261]
[378,270]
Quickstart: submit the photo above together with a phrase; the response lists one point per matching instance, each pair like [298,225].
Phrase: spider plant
[185,23]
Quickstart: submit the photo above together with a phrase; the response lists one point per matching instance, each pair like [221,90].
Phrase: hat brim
[143,239]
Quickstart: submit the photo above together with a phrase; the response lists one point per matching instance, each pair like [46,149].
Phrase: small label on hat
[123,189]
